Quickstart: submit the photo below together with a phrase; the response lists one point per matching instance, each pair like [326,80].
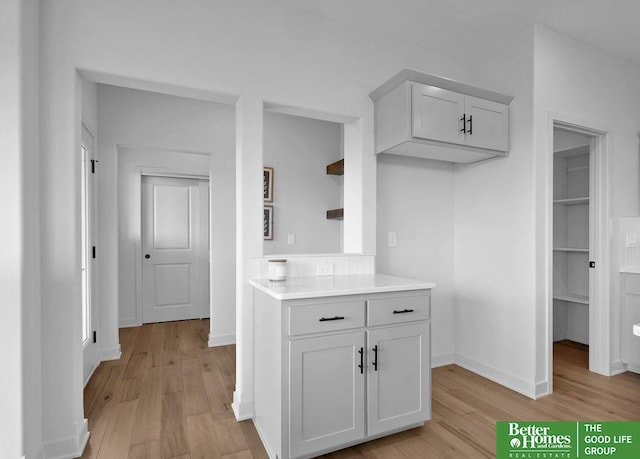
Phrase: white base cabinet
[336,371]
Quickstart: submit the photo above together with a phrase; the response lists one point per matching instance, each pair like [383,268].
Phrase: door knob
[147,256]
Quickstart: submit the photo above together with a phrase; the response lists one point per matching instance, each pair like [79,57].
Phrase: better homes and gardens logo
[535,440]
[563,440]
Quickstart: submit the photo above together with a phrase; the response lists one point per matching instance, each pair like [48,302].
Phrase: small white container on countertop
[277,270]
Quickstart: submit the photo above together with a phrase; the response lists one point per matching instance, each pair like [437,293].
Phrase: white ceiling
[446,25]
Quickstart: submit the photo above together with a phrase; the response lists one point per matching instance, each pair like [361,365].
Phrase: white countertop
[320,286]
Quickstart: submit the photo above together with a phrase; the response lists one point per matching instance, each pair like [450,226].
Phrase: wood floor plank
[147,450]
[202,437]
[195,395]
[229,436]
[173,436]
[172,372]
[157,346]
[147,426]
[117,438]
[136,365]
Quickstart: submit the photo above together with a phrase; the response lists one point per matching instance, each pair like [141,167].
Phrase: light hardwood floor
[169,396]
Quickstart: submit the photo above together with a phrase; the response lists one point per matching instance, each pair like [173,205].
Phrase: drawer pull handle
[403,311]
[375,358]
[325,319]
[361,366]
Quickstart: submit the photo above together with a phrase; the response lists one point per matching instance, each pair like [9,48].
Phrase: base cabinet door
[326,392]
[399,377]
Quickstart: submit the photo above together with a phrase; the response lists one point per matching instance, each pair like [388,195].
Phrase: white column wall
[11,254]
[249,203]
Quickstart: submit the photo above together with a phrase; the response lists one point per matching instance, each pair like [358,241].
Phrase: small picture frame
[267,184]
[268,223]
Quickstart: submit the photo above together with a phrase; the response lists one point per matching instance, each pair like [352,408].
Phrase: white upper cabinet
[431,117]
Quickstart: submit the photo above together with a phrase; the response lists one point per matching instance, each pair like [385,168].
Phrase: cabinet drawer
[398,310]
[317,318]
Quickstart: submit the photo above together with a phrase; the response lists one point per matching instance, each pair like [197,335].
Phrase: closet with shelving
[571,244]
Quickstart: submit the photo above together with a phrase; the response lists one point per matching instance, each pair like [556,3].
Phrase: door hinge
[93,251]
[95,336]
[93,165]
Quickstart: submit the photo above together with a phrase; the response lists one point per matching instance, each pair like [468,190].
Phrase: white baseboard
[618,367]
[112,353]
[68,448]
[221,340]
[542,389]
[443,359]
[241,409]
[37,454]
[498,376]
[126,323]
[578,337]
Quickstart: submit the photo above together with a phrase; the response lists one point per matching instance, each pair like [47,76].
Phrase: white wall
[494,233]
[595,89]
[415,200]
[140,130]
[257,50]
[18,153]
[299,149]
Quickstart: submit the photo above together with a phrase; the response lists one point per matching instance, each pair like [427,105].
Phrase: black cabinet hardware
[470,130]
[375,357]
[464,124]
[403,311]
[361,366]
[147,256]
[325,319]
[592,264]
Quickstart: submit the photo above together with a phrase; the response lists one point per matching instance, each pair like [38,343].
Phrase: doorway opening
[579,317]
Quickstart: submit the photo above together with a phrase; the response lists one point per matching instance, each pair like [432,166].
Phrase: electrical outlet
[392,239]
[631,240]
[325,269]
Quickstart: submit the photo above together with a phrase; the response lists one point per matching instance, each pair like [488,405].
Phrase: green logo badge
[563,440]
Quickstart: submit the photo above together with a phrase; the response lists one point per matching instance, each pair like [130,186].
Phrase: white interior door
[174,249]
[90,358]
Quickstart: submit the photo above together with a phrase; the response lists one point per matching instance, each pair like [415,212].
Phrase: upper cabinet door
[436,114]
[487,124]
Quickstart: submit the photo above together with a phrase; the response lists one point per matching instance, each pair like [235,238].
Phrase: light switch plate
[325,269]
[631,240]
[291,238]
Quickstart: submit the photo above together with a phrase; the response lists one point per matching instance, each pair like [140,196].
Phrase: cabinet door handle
[464,123]
[470,130]
[361,366]
[325,319]
[375,358]
[404,311]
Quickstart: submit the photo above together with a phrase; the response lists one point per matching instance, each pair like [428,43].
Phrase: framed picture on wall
[267,184]
[268,222]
